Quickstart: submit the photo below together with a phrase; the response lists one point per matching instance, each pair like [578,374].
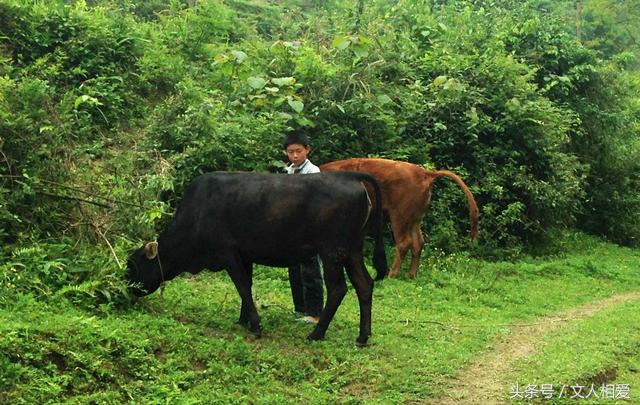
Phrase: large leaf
[305,122]
[342,42]
[220,59]
[360,50]
[283,81]
[85,99]
[296,105]
[362,39]
[440,80]
[256,82]
[239,56]
[384,99]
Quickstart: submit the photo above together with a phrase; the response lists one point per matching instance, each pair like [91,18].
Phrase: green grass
[185,346]
[602,349]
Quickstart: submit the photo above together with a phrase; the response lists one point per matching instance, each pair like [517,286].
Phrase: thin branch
[103,236]
[72,198]
[6,159]
[79,190]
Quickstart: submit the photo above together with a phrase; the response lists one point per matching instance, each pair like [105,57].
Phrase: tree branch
[103,236]
[73,198]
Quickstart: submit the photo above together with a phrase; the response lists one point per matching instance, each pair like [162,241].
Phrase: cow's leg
[417,243]
[363,284]
[336,290]
[244,309]
[402,237]
[240,277]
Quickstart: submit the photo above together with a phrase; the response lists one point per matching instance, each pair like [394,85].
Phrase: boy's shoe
[309,319]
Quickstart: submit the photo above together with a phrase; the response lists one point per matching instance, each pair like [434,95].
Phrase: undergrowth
[72,342]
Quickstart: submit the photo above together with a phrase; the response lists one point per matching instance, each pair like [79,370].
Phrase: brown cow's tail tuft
[473,207]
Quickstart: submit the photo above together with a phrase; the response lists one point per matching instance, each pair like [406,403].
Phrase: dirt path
[483,382]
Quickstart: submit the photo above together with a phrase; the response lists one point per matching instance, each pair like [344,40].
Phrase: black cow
[230,220]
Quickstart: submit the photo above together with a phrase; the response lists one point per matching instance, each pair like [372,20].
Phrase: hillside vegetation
[112,100]
[186,347]
[108,108]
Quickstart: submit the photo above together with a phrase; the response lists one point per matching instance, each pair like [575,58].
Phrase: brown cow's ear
[151,250]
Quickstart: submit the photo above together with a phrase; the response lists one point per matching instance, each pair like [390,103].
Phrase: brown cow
[406,193]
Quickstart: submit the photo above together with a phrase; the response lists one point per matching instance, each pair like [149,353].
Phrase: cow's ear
[151,250]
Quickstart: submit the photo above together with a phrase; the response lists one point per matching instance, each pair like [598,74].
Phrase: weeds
[83,344]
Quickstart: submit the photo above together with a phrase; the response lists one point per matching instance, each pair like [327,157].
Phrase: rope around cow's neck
[161,274]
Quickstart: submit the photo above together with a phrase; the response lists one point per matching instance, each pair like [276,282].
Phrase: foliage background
[108,108]
[134,99]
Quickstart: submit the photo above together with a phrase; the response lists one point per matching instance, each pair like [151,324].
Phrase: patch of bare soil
[483,381]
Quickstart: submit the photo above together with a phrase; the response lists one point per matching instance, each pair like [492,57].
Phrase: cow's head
[144,270]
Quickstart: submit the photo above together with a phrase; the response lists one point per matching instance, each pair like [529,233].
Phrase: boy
[305,278]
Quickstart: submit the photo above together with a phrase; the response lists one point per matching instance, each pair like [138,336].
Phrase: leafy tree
[134,99]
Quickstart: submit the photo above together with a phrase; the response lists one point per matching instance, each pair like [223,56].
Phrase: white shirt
[305,168]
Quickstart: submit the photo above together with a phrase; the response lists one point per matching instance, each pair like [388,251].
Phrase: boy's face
[297,153]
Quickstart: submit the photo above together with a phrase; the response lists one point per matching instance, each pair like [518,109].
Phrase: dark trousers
[306,287]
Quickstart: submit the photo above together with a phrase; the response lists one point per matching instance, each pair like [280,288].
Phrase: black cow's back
[267,218]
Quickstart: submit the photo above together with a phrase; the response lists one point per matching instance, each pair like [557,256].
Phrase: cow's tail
[379,254]
[473,207]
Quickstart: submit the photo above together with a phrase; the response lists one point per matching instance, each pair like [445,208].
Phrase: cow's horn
[151,250]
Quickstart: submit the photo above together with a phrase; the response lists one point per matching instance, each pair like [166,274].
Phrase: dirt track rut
[483,381]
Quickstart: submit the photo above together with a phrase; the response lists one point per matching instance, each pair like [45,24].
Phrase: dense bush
[68,81]
[198,133]
[50,271]
[487,117]
[602,97]
[108,108]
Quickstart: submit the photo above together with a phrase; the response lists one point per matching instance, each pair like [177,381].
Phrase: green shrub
[197,133]
[52,271]
[105,98]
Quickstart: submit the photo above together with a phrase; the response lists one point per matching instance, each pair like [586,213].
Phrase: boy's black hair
[295,138]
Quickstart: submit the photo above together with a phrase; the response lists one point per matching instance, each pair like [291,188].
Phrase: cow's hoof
[362,341]
[315,336]
[255,330]
[256,334]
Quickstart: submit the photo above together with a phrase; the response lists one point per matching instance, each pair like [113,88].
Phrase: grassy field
[184,347]
[603,349]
